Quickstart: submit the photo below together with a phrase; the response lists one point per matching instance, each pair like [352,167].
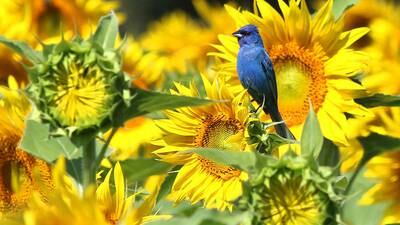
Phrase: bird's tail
[281,128]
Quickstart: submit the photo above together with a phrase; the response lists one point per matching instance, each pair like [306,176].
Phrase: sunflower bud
[78,83]
[291,192]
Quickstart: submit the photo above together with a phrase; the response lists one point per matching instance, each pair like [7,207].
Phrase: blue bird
[256,74]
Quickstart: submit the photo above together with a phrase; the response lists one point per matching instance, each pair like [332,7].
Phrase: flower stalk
[88,165]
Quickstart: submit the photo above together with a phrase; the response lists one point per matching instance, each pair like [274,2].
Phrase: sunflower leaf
[205,217]
[355,213]
[107,31]
[38,141]
[23,49]
[311,138]
[145,102]
[379,100]
[376,144]
[139,169]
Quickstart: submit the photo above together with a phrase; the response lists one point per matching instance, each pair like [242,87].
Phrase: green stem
[104,149]
[89,155]
[354,176]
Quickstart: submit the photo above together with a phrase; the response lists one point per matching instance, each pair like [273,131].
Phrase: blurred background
[141,12]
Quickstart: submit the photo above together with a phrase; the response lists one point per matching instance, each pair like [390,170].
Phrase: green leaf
[206,217]
[107,31]
[356,214]
[145,102]
[376,144]
[373,145]
[238,159]
[311,138]
[340,6]
[38,142]
[139,169]
[329,155]
[23,49]
[379,100]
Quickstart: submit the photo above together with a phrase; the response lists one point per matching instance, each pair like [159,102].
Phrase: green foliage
[107,31]
[373,145]
[266,142]
[356,214]
[139,169]
[329,155]
[379,100]
[311,138]
[200,216]
[376,144]
[144,102]
[23,49]
[39,142]
[50,134]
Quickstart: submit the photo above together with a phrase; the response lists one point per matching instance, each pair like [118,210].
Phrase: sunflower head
[78,83]
[20,172]
[222,125]
[312,59]
[291,192]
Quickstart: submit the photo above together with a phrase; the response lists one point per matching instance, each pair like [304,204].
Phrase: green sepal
[311,137]
[266,142]
[23,49]
[107,31]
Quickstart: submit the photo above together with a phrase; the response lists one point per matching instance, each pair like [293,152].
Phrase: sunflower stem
[353,177]
[89,155]
[104,148]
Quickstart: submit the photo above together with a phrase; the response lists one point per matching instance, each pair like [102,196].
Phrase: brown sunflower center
[17,174]
[300,78]
[215,132]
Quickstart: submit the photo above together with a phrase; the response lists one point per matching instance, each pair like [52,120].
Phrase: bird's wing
[269,73]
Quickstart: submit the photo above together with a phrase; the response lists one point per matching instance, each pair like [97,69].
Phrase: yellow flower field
[259,112]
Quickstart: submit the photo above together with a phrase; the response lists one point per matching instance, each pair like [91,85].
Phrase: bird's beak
[237,34]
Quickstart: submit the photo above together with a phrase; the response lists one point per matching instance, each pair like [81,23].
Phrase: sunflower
[78,84]
[385,121]
[180,40]
[221,125]
[290,192]
[145,67]
[118,208]
[134,136]
[17,21]
[21,172]
[65,204]
[383,168]
[69,204]
[382,43]
[216,17]
[386,170]
[312,61]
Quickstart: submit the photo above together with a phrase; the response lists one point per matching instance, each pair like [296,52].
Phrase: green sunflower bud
[79,83]
[291,192]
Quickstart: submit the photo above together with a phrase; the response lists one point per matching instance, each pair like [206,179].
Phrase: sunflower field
[102,126]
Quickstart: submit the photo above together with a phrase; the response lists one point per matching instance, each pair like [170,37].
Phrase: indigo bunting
[256,74]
